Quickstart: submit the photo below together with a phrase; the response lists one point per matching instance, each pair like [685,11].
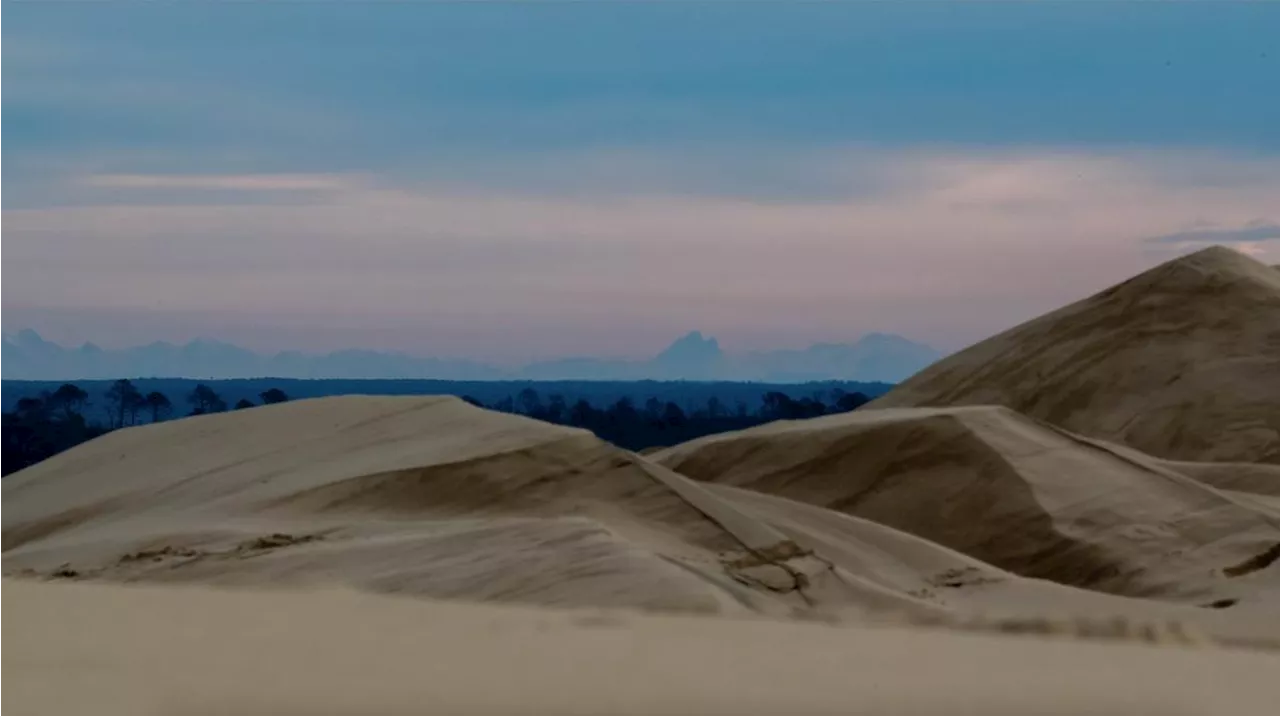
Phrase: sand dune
[422,496]
[432,497]
[186,651]
[1180,362]
[428,496]
[1014,493]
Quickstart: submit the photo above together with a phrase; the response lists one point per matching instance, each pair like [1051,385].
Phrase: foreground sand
[134,651]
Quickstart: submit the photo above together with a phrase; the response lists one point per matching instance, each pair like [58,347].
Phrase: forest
[55,419]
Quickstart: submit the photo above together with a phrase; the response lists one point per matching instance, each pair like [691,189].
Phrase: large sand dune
[429,496]
[1021,495]
[1181,362]
[423,496]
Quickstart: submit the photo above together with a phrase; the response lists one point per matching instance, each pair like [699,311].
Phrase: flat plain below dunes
[127,650]
[1181,362]
[1020,495]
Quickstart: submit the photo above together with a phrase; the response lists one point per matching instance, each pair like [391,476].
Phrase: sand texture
[131,651]
[1019,495]
[1180,362]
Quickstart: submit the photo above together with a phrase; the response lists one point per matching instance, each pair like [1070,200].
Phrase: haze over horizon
[873,358]
[514,184]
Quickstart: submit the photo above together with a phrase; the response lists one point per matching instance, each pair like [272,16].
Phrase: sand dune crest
[1180,362]
[1011,492]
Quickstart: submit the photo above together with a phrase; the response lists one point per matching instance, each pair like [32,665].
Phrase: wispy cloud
[948,247]
[222,182]
[1254,232]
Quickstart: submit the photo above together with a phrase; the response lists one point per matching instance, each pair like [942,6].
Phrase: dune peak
[1181,361]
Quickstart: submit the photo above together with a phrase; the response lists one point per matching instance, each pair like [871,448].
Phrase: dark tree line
[41,427]
[661,424]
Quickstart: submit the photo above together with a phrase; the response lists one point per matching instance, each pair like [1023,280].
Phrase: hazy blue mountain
[692,357]
[874,357]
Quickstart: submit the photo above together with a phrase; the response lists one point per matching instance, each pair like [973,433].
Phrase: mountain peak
[28,336]
[692,344]
[691,356]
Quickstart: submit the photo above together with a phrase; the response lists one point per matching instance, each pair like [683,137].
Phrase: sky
[511,182]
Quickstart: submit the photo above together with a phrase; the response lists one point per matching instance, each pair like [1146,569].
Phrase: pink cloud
[963,246]
[233,182]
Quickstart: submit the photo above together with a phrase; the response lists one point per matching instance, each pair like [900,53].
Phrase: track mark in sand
[272,542]
[160,554]
[961,577]
[769,567]
[1221,604]
[248,548]
[1258,561]
[64,572]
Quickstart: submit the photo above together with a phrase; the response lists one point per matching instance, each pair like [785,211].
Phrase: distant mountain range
[874,357]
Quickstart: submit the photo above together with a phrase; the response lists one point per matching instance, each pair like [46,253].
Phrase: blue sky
[510,181]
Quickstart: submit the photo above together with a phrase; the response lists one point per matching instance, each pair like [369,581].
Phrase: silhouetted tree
[557,409]
[68,399]
[582,414]
[851,401]
[243,403]
[273,396]
[136,403]
[624,411]
[31,408]
[204,400]
[33,433]
[714,407]
[780,406]
[159,405]
[672,415]
[123,399]
[529,401]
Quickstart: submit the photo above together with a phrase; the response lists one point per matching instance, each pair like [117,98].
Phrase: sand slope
[422,496]
[1181,362]
[429,496]
[1014,493]
[113,650]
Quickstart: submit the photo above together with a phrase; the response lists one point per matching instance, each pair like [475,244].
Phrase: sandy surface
[1181,362]
[432,497]
[185,651]
[427,496]
[1020,495]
